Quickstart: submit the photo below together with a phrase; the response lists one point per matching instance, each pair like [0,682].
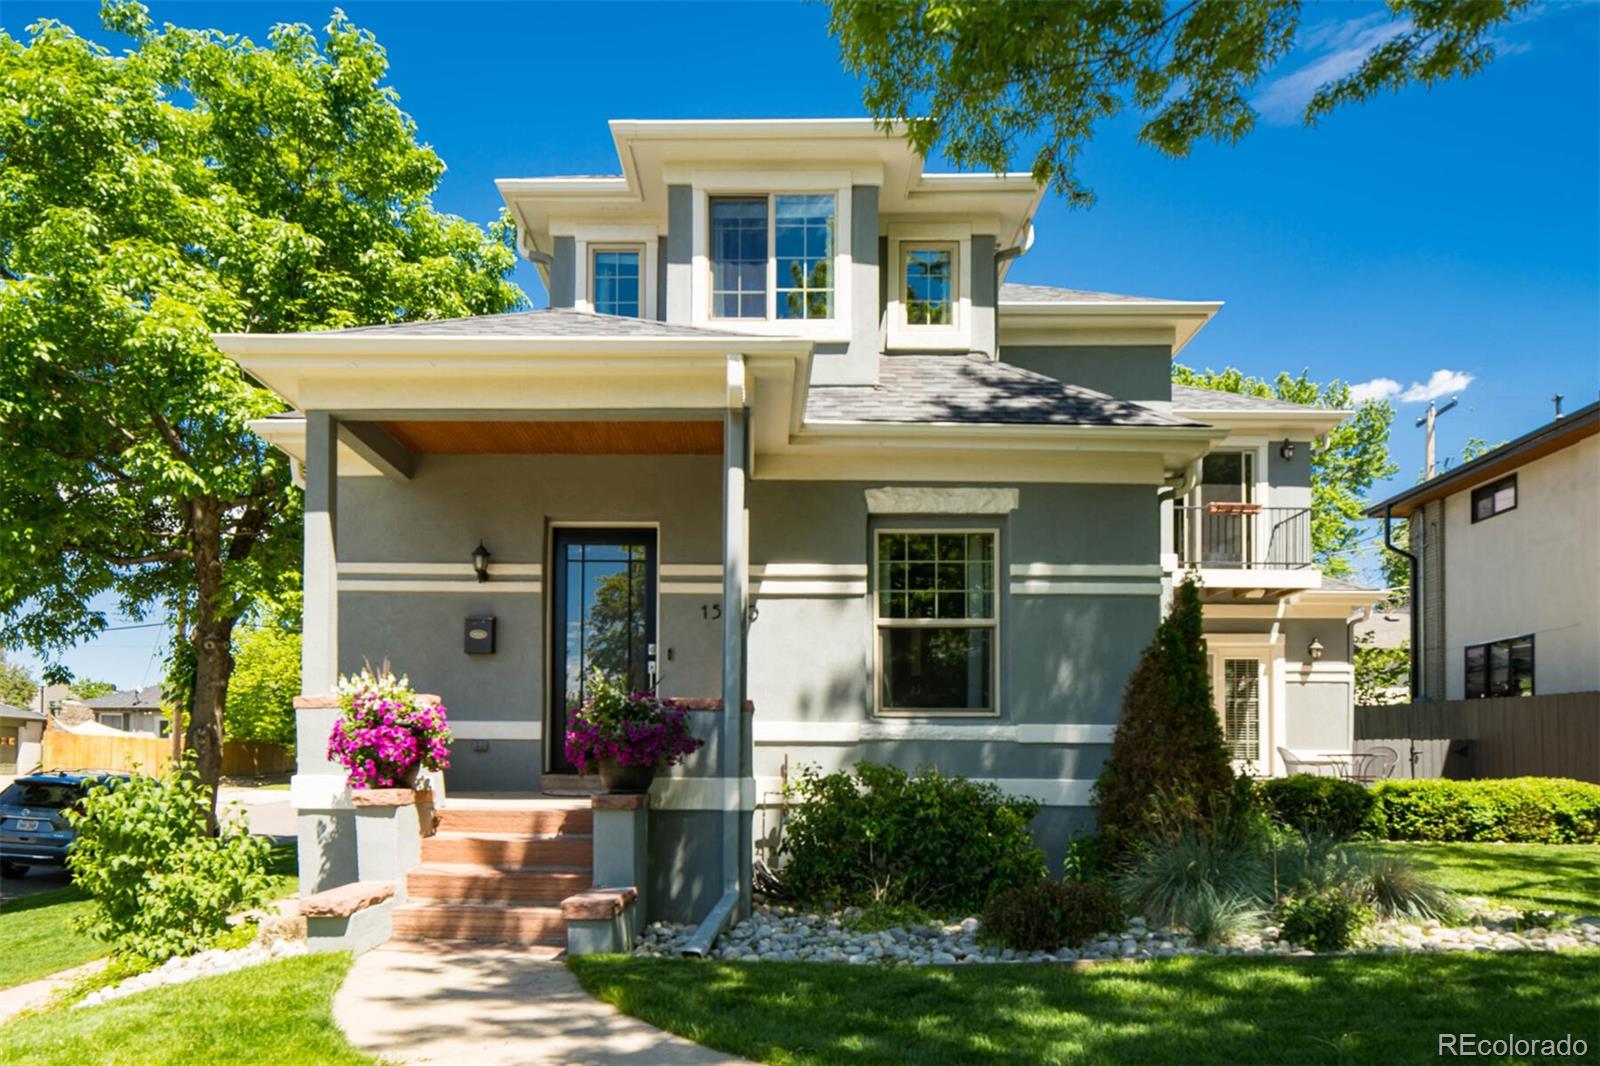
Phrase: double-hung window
[1499,668]
[937,621]
[772,257]
[929,279]
[1494,498]
[615,279]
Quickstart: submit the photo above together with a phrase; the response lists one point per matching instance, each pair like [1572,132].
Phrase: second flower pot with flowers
[627,736]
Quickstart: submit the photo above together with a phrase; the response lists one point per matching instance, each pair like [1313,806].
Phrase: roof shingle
[546,322]
[972,390]
[1189,398]
[1012,293]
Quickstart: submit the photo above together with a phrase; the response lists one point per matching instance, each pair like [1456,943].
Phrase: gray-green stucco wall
[1141,372]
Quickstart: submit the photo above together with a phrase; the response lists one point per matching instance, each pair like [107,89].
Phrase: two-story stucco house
[786,440]
[1506,567]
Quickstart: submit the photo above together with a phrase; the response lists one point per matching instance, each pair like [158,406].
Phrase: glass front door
[603,617]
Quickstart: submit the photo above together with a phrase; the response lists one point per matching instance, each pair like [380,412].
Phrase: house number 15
[712,612]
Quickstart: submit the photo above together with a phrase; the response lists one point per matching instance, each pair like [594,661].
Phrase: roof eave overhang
[1185,318]
[1310,423]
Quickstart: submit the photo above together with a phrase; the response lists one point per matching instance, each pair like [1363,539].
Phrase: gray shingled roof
[1189,398]
[1011,293]
[965,389]
[144,699]
[8,711]
[547,322]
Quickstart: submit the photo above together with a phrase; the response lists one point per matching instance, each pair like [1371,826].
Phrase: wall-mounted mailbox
[480,635]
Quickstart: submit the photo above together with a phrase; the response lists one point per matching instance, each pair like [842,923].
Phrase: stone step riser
[500,886]
[487,851]
[534,822]
[515,925]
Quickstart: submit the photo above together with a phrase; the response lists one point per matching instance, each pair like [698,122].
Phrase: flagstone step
[477,883]
[509,849]
[553,818]
[487,922]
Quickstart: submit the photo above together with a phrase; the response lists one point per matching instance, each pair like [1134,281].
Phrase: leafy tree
[1355,455]
[989,80]
[88,689]
[1169,763]
[1380,671]
[266,679]
[18,686]
[196,183]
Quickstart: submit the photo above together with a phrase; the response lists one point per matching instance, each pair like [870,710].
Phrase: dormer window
[930,287]
[748,281]
[616,275]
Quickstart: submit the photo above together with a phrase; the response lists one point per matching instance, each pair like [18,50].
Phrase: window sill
[901,716]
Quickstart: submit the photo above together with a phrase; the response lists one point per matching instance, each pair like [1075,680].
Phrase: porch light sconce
[1286,449]
[480,562]
[1315,649]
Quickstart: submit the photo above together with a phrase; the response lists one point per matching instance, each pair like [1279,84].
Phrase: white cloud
[1330,50]
[1376,389]
[1440,383]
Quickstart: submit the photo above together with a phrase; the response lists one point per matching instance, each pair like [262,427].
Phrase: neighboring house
[1506,583]
[132,710]
[21,736]
[782,379]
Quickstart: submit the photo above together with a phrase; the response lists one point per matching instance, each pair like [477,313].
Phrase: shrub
[1049,914]
[929,840]
[1214,918]
[1169,764]
[1172,879]
[1396,886]
[1313,804]
[1085,859]
[160,885]
[1531,810]
[1325,918]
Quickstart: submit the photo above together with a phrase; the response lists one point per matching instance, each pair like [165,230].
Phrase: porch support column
[735,596]
[319,628]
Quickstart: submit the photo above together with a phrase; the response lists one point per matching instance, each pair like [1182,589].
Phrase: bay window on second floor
[773,257]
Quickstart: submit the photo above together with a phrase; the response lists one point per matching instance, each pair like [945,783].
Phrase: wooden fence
[152,755]
[1508,736]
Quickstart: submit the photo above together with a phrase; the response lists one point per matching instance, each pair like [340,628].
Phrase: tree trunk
[213,633]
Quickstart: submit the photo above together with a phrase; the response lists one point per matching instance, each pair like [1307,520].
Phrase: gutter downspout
[1416,602]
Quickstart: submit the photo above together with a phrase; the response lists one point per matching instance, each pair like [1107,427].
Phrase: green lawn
[279,1013]
[1563,877]
[37,937]
[1195,1010]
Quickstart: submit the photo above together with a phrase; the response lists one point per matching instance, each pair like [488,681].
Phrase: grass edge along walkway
[1346,1009]
[278,1013]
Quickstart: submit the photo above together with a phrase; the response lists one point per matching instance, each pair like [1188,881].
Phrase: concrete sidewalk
[486,1005]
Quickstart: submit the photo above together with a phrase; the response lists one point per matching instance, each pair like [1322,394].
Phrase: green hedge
[1527,810]
[1313,804]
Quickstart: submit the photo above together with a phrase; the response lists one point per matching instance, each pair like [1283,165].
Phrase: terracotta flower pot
[622,779]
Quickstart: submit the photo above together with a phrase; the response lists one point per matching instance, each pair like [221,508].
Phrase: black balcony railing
[1243,536]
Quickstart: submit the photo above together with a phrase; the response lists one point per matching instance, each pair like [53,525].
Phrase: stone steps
[461,882]
[509,849]
[498,870]
[488,922]
[551,818]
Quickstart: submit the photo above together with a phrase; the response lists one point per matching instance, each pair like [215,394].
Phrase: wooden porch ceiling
[558,438]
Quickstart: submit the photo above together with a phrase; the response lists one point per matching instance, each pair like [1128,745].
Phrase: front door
[603,617]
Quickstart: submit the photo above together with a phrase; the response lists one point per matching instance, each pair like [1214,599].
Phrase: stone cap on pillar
[598,904]
[389,797]
[700,703]
[322,703]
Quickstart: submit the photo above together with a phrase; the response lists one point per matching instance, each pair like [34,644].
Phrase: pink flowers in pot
[631,729]
[385,737]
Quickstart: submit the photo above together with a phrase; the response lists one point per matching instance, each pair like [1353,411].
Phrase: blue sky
[1447,236]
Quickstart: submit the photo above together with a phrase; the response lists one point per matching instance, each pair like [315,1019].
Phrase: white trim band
[1067,587]
[463,569]
[489,729]
[1047,570]
[942,501]
[768,733]
[482,588]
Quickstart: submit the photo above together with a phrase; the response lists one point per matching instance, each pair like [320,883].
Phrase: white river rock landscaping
[193,967]
[778,934]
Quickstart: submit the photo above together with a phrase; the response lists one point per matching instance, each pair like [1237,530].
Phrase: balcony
[1246,545]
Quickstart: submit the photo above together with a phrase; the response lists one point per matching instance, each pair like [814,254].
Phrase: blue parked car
[33,824]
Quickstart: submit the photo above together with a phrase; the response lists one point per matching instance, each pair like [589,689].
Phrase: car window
[44,794]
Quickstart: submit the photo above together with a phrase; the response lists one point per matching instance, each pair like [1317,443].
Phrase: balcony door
[602,617]
[1220,519]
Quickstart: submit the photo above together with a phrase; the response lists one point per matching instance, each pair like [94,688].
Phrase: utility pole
[1428,420]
